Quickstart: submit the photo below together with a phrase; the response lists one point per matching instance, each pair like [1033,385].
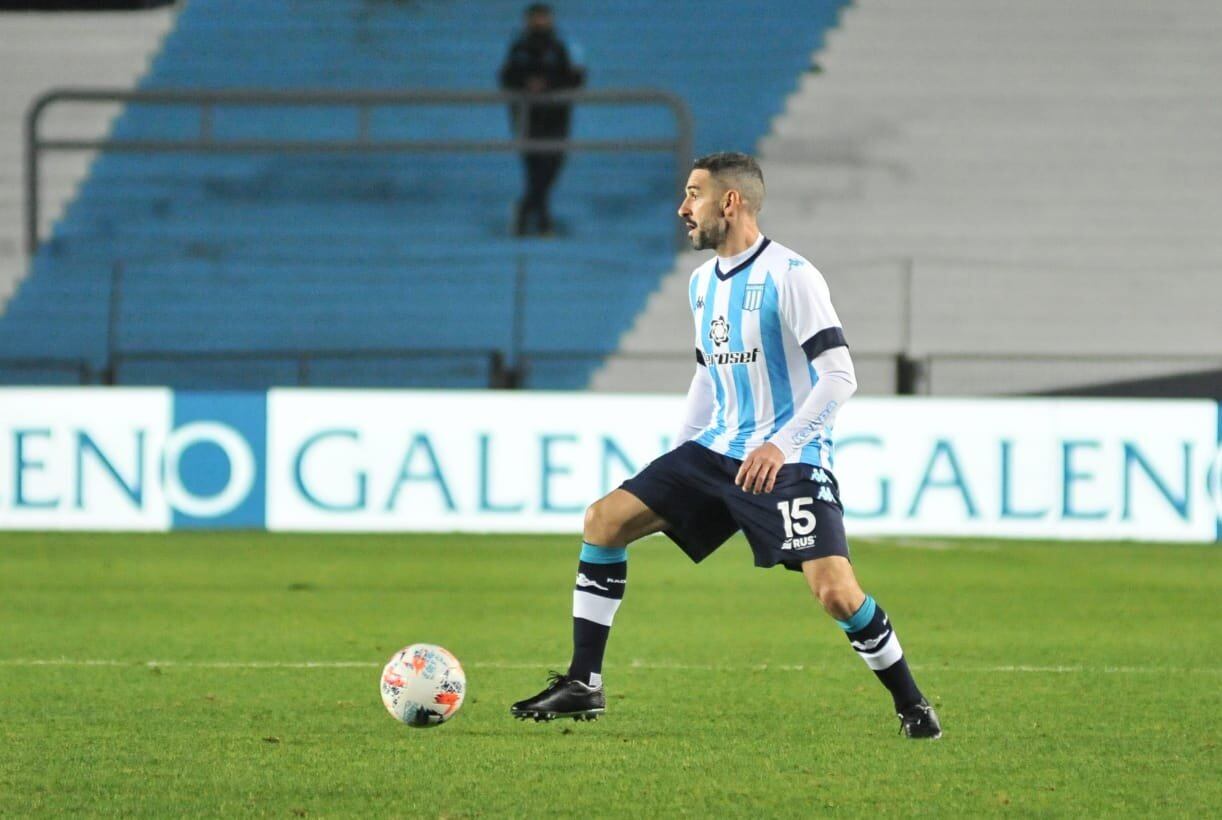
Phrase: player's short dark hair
[733,169]
[538,8]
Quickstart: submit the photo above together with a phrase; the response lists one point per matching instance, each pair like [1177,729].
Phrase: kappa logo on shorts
[818,475]
[825,494]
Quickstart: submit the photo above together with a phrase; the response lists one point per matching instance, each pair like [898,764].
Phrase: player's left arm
[837,383]
[806,309]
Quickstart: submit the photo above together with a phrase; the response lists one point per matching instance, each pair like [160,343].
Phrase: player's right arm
[698,410]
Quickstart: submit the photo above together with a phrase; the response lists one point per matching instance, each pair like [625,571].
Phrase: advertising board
[441,461]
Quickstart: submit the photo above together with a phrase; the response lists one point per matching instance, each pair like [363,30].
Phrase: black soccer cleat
[920,722]
[564,697]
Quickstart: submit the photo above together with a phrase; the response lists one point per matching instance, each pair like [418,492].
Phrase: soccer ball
[423,685]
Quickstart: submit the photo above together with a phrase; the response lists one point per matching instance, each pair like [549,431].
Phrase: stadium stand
[222,255]
[40,51]
[1047,174]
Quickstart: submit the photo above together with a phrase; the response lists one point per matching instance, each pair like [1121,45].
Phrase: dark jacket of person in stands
[538,62]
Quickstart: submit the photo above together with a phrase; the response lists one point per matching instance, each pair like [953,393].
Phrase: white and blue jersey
[758,327]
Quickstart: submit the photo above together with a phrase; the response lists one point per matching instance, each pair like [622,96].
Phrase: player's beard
[710,236]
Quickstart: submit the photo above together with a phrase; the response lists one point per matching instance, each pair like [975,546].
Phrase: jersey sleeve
[806,307]
[817,413]
[695,305]
[698,408]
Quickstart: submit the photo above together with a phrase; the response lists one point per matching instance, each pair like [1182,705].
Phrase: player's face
[702,211]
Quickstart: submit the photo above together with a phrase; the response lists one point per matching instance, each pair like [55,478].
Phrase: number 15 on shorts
[799,522]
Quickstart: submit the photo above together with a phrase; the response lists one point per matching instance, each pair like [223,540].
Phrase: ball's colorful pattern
[423,685]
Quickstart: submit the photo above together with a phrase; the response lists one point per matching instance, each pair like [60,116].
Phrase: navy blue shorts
[693,489]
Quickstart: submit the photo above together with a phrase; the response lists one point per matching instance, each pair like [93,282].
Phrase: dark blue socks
[602,575]
[871,636]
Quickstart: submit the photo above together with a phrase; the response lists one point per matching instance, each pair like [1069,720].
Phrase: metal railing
[79,368]
[491,363]
[914,376]
[500,367]
[910,369]
[363,140]
[913,370]
[1098,374]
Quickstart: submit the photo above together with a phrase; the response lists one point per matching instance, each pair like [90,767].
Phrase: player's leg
[619,518]
[611,524]
[800,525]
[871,634]
[678,493]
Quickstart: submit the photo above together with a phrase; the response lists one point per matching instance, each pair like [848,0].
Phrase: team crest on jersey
[719,330]
[753,297]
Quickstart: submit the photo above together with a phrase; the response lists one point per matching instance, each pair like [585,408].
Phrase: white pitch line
[191,664]
[635,664]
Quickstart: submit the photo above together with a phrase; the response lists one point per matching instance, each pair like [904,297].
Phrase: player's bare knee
[601,527]
[839,600]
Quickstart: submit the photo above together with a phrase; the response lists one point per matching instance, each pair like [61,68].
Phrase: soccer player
[773,369]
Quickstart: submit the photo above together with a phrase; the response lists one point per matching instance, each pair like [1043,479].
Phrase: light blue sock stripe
[863,616]
[603,555]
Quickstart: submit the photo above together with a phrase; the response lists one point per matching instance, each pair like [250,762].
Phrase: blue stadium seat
[224,254]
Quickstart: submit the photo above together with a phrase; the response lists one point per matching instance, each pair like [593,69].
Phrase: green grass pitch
[236,674]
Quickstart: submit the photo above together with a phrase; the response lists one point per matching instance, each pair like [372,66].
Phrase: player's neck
[737,241]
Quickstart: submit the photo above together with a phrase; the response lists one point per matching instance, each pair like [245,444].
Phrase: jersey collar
[741,266]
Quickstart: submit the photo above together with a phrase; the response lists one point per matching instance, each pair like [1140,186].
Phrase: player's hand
[758,473]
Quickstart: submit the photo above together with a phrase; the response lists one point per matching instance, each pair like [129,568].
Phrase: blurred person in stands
[539,62]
